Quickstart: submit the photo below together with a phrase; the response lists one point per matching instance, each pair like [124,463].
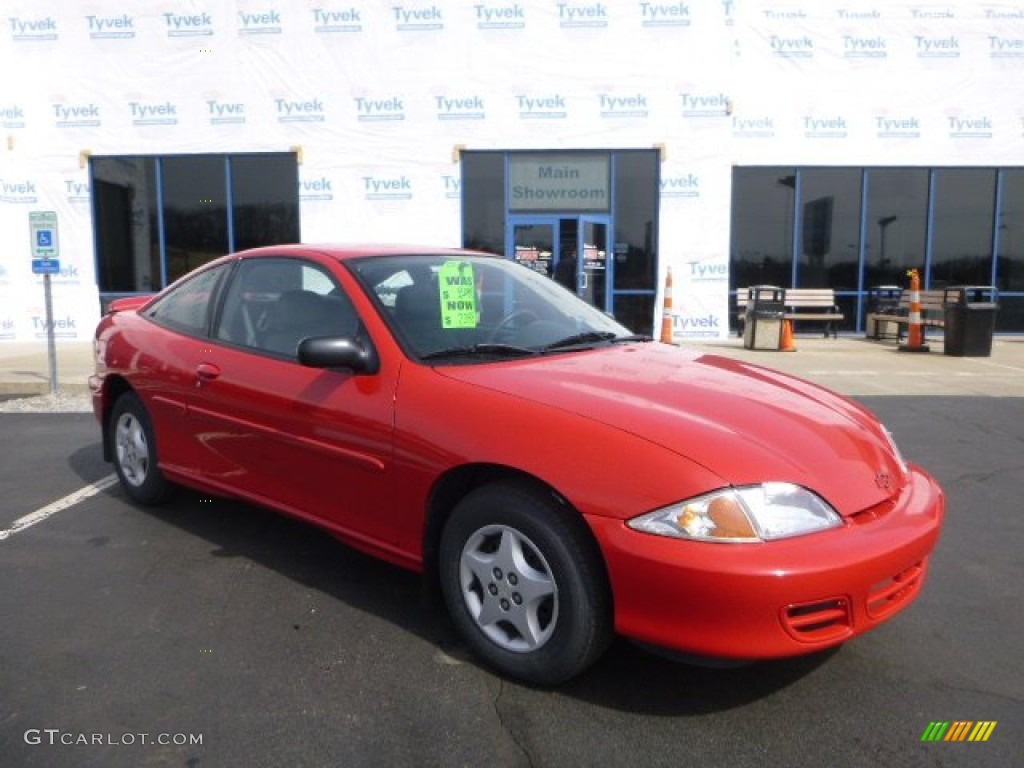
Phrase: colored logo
[316,189]
[680,186]
[111,27]
[543,107]
[369,110]
[295,111]
[897,127]
[937,47]
[387,188]
[500,17]
[153,114]
[326,22]
[188,25]
[958,730]
[32,30]
[418,19]
[76,191]
[753,127]
[970,128]
[225,113]
[1005,47]
[452,187]
[268,23]
[665,15]
[825,128]
[18,191]
[622,106]
[12,117]
[575,15]
[855,47]
[76,115]
[465,108]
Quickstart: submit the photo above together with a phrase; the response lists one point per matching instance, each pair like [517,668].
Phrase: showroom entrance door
[570,249]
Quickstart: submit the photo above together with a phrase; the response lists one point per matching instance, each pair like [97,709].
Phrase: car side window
[187,307]
[273,304]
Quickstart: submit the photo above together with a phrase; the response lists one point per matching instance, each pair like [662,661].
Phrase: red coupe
[459,414]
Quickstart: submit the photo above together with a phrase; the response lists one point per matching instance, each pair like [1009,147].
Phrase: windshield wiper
[480,350]
[632,337]
[588,337]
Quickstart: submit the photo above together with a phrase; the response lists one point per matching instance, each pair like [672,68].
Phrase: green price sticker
[458,295]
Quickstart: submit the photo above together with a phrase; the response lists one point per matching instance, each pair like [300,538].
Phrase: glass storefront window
[264,206]
[636,233]
[762,226]
[127,237]
[1010,268]
[962,215]
[865,227]
[897,214]
[195,212]
[829,228]
[483,201]
[157,217]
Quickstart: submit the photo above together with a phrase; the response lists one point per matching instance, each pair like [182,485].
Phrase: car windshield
[457,307]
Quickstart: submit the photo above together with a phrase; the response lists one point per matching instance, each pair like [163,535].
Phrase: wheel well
[454,485]
[114,387]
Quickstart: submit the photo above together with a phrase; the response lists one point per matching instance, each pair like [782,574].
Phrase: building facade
[813,144]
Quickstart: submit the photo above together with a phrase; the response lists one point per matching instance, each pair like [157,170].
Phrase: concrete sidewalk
[852,365]
[25,367]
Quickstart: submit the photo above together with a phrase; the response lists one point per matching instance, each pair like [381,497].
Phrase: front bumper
[773,599]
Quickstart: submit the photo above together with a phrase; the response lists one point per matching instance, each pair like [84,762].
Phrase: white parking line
[61,504]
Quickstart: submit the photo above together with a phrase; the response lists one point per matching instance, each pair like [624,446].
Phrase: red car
[458,414]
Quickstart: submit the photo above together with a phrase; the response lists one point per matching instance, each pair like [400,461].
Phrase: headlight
[749,513]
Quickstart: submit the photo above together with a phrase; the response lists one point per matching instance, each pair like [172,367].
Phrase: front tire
[524,583]
[135,454]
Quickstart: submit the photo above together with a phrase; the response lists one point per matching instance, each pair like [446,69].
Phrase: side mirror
[338,352]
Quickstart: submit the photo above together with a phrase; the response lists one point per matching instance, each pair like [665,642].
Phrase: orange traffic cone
[666,315]
[787,345]
[915,332]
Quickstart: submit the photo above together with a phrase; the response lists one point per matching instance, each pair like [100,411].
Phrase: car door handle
[206,372]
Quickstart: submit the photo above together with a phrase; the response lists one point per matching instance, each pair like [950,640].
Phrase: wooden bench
[800,304]
[933,315]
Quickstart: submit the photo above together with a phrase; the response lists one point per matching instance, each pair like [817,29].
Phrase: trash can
[970,320]
[883,300]
[762,321]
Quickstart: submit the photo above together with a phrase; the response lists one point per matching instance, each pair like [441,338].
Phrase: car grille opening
[889,596]
[820,621]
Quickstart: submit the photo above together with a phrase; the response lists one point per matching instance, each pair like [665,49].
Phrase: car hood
[745,423]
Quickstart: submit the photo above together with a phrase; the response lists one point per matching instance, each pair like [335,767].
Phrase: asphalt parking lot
[274,645]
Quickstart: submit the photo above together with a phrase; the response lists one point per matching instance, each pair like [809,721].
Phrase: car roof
[344,251]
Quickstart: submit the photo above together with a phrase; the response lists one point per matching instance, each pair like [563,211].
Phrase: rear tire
[524,583]
[135,452]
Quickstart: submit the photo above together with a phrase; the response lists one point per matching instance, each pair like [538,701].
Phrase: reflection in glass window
[636,230]
[1010,274]
[897,213]
[762,226]
[195,212]
[156,218]
[187,307]
[829,228]
[265,206]
[962,227]
[483,201]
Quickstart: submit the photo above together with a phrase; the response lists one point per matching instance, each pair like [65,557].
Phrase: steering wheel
[508,320]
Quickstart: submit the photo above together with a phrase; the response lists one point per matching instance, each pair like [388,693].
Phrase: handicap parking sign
[45,248]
